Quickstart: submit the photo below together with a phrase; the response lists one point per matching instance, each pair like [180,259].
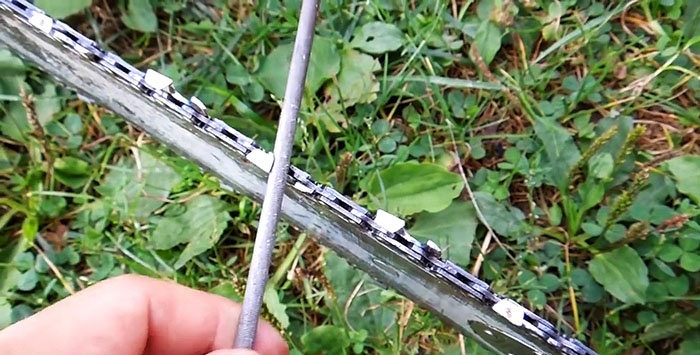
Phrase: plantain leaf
[622,273]
[410,187]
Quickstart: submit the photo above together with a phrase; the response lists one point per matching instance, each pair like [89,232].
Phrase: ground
[575,123]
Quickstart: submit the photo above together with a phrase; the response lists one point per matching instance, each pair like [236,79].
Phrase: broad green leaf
[504,220]
[555,214]
[135,192]
[581,277]
[622,273]
[691,20]
[594,230]
[409,188]
[377,38]
[366,309]
[20,312]
[13,123]
[674,324]
[592,293]
[689,242]
[9,272]
[10,64]
[200,225]
[652,198]
[63,8]
[670,252]
[324,64]
[678,286]
[560,149]
[30,227]
[101,265]
[592,194]
[10,85]
[601,166]
[72,172]
[8,161]
[356,83]
[27,281]
[386,145]
[68,256]
[276,308]
[690,262]
[326,339]
[689,345]
[237,74]
[52,206]
[537,297]
[488,40]
[47,104]
[486,8]
[549,282]
[686,170]
[452,229]
[5,313]
[663,267]
[140,16]
[24,261]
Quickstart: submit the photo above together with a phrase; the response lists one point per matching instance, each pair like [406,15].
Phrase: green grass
[576,122]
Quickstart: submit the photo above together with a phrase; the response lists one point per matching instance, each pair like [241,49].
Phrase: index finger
[134,315]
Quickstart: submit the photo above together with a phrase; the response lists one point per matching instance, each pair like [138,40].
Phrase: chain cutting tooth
[64,37]
[433,250]
[396,225]
[262,159]
[156,80]
[198,105]
[302,181]
[389,222]
[511,311]
[303,188]
[395,229]
[521,317]
[41,21]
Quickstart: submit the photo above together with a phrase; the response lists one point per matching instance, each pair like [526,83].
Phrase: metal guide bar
[377,242]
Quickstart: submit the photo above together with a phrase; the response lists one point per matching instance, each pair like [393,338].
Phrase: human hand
[135,315]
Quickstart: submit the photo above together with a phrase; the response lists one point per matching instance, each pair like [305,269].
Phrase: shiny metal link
[382,226]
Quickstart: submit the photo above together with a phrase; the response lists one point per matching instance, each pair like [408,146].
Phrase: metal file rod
[276,182]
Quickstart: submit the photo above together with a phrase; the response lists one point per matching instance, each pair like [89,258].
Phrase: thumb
[234,352]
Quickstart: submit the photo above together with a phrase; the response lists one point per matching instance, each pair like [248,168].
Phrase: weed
[574,123]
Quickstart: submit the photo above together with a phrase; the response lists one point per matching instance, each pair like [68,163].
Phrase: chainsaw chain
[386,228]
